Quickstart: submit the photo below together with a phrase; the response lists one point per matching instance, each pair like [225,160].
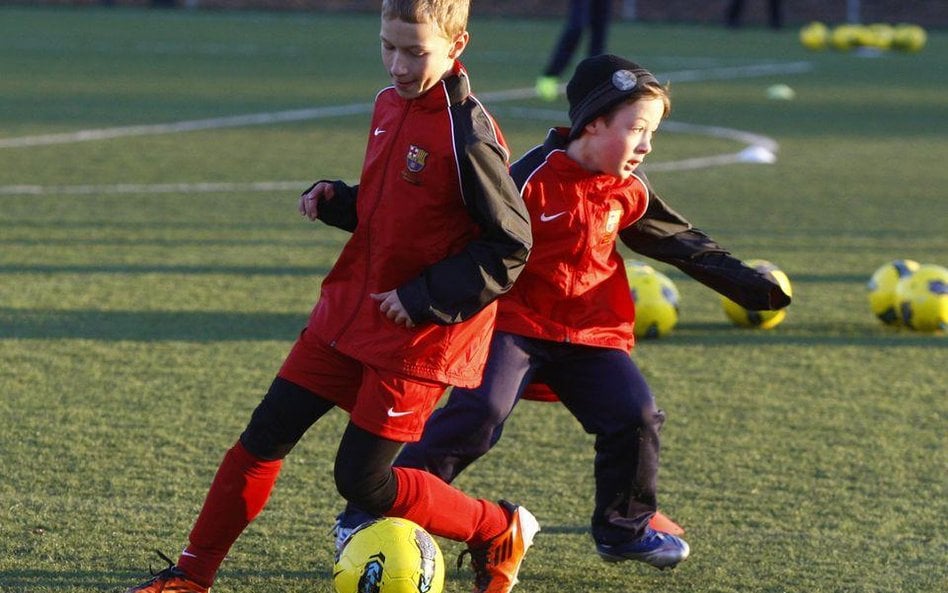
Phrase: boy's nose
[398,66]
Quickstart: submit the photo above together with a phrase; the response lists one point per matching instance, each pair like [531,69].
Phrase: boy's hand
[309,200]
[391,306]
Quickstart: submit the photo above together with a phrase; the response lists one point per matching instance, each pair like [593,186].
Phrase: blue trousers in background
[594,14]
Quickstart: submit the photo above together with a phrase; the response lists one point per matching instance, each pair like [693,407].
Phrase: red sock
[238,494]
[444,510]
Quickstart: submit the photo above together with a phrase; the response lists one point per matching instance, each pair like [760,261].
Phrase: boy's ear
[595,126]
[458,44]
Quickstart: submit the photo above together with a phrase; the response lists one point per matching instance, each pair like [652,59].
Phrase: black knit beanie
[598,84]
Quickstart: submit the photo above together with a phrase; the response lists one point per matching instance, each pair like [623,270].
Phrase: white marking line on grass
[253,119]
[692,75]
[275,117]
[730,72]
[759,149]
[157,188]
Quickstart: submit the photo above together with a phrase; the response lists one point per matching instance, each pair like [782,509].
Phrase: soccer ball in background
[881,288]
[815,36]
[656,300]
[389,555]
[908,37]
[634,266]
[758,319]
[921,298]
[844,37]
[879,36]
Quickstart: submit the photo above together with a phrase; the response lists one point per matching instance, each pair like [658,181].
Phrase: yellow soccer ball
[634,266]
[845,37]
[880,35]
[910,38]
[814,36]
[759,319]
[922,299]
[881,287]
[389,555]
[656,301]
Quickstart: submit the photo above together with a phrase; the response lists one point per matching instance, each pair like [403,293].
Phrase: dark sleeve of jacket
[340,211]
[459,286]
[666,236]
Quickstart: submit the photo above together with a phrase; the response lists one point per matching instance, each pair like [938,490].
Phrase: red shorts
[385,403]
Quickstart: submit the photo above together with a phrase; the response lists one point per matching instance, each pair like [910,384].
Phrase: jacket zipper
[583,209]
[368,235]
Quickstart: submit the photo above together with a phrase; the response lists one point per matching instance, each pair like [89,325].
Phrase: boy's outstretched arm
[459,286]
[666,236]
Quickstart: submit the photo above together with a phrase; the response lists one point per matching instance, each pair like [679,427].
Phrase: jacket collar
[556,139]
[451,90]
[458,85]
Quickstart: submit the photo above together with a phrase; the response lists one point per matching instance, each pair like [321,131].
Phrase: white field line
[692,75]
[253,119]
[758,149]
[358,108]
[157,188]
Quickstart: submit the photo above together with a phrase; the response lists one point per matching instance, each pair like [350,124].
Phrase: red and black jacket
[574,288]
[436,216]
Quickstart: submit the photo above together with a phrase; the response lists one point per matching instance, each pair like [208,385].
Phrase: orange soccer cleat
[497,564]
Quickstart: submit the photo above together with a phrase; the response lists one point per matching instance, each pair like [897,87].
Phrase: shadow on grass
[149,326]
[29,580]
[216,326]
[799,278]
[823,334]
[313,271]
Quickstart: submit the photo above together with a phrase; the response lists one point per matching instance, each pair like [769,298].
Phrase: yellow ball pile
[904,37]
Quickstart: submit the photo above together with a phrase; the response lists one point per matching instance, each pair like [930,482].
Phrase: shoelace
[169,570]
[165,569]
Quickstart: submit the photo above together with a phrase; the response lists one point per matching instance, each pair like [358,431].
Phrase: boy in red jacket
[439,231]
[567,322]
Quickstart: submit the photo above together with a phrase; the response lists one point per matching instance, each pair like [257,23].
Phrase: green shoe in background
[548,88]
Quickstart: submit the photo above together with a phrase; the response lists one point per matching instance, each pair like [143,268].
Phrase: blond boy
[439,231]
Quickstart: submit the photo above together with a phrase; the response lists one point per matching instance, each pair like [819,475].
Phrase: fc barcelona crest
[414,163]
[612,221]
[612,224]
[416,158]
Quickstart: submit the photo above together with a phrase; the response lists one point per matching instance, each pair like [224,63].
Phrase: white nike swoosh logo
[544,217]
[188,554]
[378,131]
[393,414]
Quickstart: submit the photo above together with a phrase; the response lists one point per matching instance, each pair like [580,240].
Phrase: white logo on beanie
[623,80]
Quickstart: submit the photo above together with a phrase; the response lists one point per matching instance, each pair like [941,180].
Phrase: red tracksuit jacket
[436,216]
[574,288]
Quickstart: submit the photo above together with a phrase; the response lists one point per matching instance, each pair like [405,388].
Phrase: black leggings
[363,468]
